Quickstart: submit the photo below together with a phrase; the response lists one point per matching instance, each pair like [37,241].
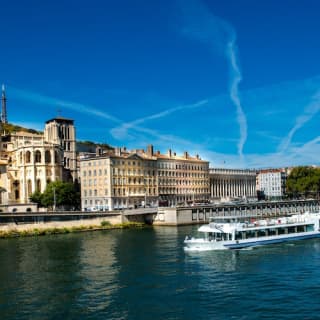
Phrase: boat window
[238,235]
[301,228]
[251,234]
[292,230]
[310,227]
[262,233]
[281,230]
[272,232]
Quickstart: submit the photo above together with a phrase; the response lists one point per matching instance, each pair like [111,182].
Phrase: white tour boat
[220,234]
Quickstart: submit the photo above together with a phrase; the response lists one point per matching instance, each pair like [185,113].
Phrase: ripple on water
[143,274]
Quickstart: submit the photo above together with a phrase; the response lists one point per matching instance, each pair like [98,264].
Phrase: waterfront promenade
[174,216]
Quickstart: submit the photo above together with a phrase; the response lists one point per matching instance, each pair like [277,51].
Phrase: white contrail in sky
[202,25]
[234,93]
[46,100]
[120,132]
[41,99]
[309,112]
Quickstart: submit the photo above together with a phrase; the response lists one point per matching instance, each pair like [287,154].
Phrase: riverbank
[41,230]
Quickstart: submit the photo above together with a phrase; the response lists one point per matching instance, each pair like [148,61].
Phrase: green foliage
[36,197]
[10,128]
[105,223]
[303,181]
[89,146]
[62,194]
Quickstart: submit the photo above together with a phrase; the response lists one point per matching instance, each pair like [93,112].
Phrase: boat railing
[273,222]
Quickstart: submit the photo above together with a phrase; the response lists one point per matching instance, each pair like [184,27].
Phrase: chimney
[169,153]
[185,155]
[150,150]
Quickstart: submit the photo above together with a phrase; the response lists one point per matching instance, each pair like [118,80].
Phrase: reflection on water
[145,274]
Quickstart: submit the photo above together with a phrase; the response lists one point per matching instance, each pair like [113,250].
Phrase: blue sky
[236,81]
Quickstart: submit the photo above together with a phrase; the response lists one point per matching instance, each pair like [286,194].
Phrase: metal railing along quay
[252,210]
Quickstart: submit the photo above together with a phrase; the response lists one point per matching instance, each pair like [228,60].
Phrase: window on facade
[56,157]
[38,187]
[29,187]
[47,156]
[37,156]
[28,157]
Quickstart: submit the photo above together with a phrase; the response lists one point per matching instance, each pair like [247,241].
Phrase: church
[29,160]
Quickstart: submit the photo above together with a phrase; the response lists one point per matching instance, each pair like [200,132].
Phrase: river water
[145,274]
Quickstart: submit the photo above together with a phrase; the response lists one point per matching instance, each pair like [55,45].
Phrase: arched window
[47,156]
[56,157]
[28,157]
[38,187]
[37,156]
[29,187]
[20,157]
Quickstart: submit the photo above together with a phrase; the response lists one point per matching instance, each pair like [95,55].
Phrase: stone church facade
[31,160]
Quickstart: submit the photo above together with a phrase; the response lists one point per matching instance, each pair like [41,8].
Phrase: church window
[28,157]
[56,157]
[37,156]
[38,185]
[47,156]
[29,187]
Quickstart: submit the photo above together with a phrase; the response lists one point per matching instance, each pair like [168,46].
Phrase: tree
[303,181]
[59,194]
[36,197]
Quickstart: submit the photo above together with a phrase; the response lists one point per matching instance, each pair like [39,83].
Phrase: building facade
[271,183]
[29,160]
[118,180]
[123,179]
[62,132]
[30,164]
[231,184]
[182,179]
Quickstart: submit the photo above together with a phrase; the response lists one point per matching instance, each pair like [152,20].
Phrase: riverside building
[123,179]
[118,180]
[231,184]
[271,183]
[182,179]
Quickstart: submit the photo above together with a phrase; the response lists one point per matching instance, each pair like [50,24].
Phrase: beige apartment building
[182,179]
[118,180]
[123,179]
